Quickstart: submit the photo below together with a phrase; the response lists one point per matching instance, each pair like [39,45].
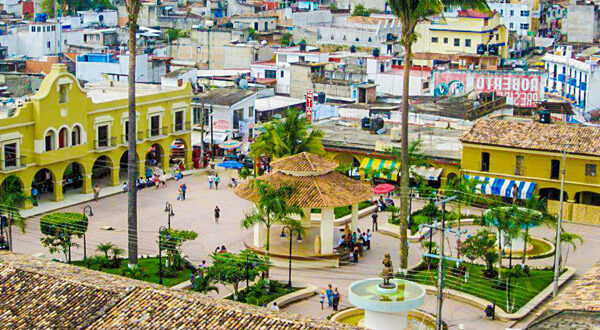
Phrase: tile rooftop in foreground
[37,293]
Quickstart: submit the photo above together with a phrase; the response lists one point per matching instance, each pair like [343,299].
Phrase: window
[179,125]
[525,13]
[48,44]
[456,42]
[53,28]
[63,93]
[519,165]
[445,40]
[63,138]
[497,37]
[512,26]
[266,26]
[590,169]
[76,136]
[39,29]
[155,125]
[270,74]
[103,136]
[10,155]
[370,39]
[524,26]
[467,42]
[250,112]
[49,140]
[434,40]
[485,161]
[554,168]
[281,74]
[512,13]
[357,39]
[33,29]
[331,37]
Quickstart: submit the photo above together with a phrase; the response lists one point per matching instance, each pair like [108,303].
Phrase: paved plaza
[196,213]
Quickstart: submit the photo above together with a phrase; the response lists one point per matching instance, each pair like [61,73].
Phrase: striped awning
[504,187]
[383,168]
[428,173]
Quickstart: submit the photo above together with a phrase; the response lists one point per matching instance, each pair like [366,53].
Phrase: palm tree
[13,197]
[289,136]
[105,248]
[503,218]
[464,189]
[133,10]
[117,252]
[203,284]
[570,239]
[272,208]
[532,219]
[410,13]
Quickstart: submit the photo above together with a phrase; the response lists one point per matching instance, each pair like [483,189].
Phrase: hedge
[77,223]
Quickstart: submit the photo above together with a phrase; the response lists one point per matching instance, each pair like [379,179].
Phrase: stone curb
[307,292]
[500,314]
[393,230]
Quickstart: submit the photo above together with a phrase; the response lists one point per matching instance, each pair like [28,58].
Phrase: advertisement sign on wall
[309,104]
[522,89]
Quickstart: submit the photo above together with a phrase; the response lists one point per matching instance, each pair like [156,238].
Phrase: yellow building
[66,139]
[505,153]
[461,34]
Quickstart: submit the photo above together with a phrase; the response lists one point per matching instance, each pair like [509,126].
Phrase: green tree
[333,6]
[570,239]
[135,272]
[204,283]
[286,39]
[465,189]
[410,13]
[60,241]
[289,136]
[105,248]
[229,268]
[117,252]
[359,10]
[512,277]
[272,207]
[171,34]
[481,246]
[171,241]
[505,219]
[251,34]
[13,198]
[60,228]
[133,10]
[534,215]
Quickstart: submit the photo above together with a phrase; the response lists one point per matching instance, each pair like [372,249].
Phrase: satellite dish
[243,84]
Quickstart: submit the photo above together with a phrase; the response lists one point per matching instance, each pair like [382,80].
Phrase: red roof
[265,81]
[266,62]
[475,13]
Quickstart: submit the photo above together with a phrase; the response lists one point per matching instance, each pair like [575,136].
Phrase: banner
[521,88]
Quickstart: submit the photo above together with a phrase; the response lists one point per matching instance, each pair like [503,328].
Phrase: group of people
[357,243]
[333,297]
[213,179]
[221,249]
[384,204]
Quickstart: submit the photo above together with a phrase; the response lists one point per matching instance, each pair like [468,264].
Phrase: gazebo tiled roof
[37,294]
[321,187]
[304,162]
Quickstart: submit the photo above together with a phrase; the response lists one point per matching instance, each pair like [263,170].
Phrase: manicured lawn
[150,267]
[522,291]
[256,295]
[539,247]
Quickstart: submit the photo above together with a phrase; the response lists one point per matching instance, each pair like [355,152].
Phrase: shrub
[75,223]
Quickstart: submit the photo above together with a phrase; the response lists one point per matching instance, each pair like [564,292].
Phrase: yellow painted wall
[536,167]
[43,112]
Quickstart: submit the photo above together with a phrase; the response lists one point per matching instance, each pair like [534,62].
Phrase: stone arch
[587,197]
[63,137]
[50,139]
[76,134]
[178,152]
[123,164]
[552,193]
[43,181]
[73,177]
[155,155]
[102,170]
[452,177]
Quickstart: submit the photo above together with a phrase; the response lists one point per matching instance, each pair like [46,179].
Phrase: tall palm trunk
[404,178]
[525,241]
[133,8]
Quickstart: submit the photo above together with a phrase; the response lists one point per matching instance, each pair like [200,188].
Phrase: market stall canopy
[428,173]
[503,187]
[231,164]
[382,168]
[315,182]
[233,144]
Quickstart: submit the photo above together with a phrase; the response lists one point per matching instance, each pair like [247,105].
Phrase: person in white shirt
[275,307]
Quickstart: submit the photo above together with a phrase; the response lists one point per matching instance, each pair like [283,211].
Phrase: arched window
[63,138]
[49,140]
[76,136]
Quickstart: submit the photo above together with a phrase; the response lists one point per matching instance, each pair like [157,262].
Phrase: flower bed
[258,295]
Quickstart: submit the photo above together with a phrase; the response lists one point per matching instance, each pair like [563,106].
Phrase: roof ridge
[305,154]
[314,178]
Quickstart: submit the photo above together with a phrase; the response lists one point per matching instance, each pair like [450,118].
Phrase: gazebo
[316,185]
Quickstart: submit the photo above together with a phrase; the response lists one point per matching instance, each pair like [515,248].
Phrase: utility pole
[559,226]
[442,258]
[212,141]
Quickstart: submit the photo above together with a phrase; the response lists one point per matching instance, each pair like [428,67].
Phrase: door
[103,136]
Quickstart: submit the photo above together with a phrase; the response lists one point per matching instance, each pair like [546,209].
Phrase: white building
[517,17]
[363,35]
[390,78]
[581,24]
[32,40]
[97,67]
[575,80]
[108,18]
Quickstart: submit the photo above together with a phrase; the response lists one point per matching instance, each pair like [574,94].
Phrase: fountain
[386,301]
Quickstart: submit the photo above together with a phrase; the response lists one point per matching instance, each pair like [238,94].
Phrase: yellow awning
[381,168]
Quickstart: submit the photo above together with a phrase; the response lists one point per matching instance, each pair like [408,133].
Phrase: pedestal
[386,321]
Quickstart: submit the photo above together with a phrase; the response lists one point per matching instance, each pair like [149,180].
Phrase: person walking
[217,214]
[183,191]
[210,181]
[34,196]
[336,299]
[369,235]
[96,192]
[217,181]
[322,298]
[374,216]
[329,293]
[179,193]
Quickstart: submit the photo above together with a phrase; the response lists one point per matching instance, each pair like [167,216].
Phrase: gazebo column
[306,218]
[327,218]
[354,209]
[259,235]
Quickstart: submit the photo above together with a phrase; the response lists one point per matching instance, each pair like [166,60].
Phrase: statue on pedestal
[388,270]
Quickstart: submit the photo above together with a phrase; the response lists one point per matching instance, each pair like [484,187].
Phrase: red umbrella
[383,188]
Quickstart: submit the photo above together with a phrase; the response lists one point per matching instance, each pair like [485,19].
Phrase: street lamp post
[299,239]
[160,248]
[170,213]
[212,141]
[91,214]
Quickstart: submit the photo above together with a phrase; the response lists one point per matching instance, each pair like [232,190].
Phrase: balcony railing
[105,143]
[158,131]
[140,137]
[181,127]
[12,163]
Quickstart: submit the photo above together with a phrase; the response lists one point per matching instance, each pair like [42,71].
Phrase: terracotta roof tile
[304,162]
[575,139]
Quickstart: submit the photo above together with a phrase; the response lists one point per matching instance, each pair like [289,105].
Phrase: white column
[259,235]
[305,221]
[354,209]
[327,217]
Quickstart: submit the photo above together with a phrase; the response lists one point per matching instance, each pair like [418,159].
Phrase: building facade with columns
[65,139]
